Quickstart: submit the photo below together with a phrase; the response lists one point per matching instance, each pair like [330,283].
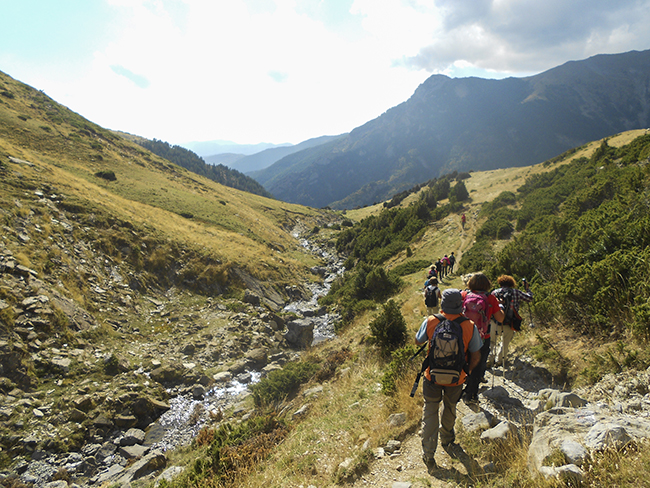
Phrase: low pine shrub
[388,330]
[283,383]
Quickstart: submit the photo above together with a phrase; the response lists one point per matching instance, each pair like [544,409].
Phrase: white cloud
[283,70]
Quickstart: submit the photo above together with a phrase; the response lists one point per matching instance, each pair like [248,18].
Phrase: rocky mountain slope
[469,124]
[127,281]
[138,301]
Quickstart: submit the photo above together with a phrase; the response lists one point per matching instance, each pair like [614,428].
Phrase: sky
[284,71]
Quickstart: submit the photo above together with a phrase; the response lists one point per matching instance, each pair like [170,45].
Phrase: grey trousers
[432,425]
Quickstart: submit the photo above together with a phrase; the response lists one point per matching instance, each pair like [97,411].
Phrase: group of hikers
[442,267]
[458,331]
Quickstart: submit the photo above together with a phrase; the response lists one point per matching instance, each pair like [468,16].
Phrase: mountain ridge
[469,124]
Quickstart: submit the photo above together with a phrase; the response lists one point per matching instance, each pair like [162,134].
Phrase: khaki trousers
[506,333]
[432,424]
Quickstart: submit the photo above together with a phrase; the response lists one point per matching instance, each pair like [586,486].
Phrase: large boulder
[300,333]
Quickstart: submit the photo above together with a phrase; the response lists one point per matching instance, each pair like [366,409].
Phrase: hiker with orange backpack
[479,306]
[439,386]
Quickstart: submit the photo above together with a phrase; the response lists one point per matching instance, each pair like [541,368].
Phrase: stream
[188,415]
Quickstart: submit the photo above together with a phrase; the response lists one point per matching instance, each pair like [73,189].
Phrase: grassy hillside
[327,446]
[152,258]
[96,170]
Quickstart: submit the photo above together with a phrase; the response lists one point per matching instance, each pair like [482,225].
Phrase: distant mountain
[227,159]
[261,160]
[190,161]
[210,148]
[469,124]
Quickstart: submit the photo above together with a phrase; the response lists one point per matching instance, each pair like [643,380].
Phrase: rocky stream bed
[166,401]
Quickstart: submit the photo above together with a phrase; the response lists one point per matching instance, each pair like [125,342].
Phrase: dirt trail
[406,466]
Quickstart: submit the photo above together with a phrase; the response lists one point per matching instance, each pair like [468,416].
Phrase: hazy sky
[280,71]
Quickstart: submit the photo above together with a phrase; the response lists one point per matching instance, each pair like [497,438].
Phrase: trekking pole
[530,316]
[503,354]
[415,384]
[496,341]
[417,379]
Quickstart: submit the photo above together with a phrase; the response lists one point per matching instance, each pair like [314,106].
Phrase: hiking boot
[454,450]
[472,403]
[430,463]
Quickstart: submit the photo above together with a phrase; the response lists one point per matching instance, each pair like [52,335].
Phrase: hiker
[432,296]
[452,262]
[445,265]
[462,221]
[438,266]
[432,272]
[511,298]
[434,393]
[479,306]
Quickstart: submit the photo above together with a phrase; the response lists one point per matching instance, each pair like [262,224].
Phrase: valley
[159,327]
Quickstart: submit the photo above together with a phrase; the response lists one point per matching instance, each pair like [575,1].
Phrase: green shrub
[282,383]
[233,450]
[388,330]
[583,241]
[459,193]
[410,267]
[401,364]
[106,175]
[495,228]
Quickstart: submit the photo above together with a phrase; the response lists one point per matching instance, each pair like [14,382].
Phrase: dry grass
[352,410]
[151,193]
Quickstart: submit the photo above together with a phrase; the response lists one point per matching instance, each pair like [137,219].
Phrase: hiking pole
[417,379]
[494,347]
[503,354]
[415,384]
[530,316]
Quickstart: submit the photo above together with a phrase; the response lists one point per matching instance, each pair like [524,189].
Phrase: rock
[222,377]
[102,423]
[500,396]
[256,358]
[198,392]
[134,451]
[313,392]
[150,463]
[125,421]
[346,463]
[397,419]
[301,412]
[169,474]
[132,437]
[238,367]
[168,375]
[569,473]
[56,484]
[379,452]
[604,435]
[490,468]
[84,403]
[574,452]
[113,472]
[250,297]
[401,484]
[392,446]
[107,449]
[61,364]
[300,333]
[478,421]
[500,433]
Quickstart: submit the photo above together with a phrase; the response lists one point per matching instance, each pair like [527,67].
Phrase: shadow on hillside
[509,390]
[472,467]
